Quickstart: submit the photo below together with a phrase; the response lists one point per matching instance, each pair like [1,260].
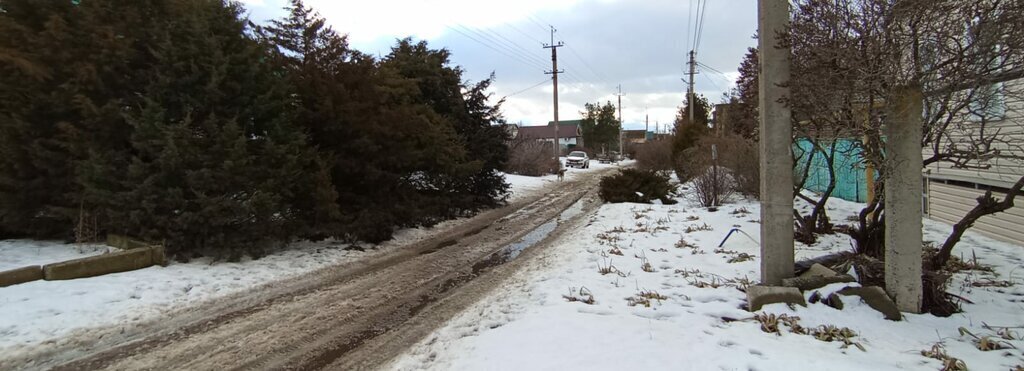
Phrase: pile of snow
[531,323]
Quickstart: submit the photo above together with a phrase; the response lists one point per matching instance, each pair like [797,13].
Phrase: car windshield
[577,154]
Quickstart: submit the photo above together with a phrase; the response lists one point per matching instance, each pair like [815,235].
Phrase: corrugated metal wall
[950,202]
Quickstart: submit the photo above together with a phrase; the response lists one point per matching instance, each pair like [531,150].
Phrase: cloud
[641,45]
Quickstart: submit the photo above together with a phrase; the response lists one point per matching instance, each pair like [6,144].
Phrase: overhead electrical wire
[515,46]
[545,81]
[510,55]
[523,33]
[700,29]
[689,26]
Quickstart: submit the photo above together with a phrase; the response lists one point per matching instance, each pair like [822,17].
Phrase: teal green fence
[850,175]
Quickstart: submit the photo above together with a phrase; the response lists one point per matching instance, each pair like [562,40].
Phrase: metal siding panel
[950,203]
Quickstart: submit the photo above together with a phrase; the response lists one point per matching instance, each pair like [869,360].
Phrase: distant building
[637,136]
[721,118]
[569,134]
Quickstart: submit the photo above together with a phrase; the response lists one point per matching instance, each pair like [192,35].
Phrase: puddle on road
[413,307]
[538,234]
[572,211]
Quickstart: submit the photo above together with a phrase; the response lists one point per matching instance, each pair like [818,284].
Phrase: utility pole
[619,94]
[554,78]
[689,91]
[776,161]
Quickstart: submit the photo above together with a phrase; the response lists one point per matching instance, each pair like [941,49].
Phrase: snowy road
[360,314]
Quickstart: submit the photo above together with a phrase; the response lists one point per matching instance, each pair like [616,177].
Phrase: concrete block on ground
[21,275]
[877,299]
[814,282]
[818,270]
[759,296]
[121,261]
[159,255]
[125,242]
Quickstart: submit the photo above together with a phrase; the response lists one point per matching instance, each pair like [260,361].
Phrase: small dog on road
[561,175]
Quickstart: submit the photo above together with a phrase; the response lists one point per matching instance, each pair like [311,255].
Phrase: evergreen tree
[600,127]
[746,94]
[688,132]
[215,165]
[71,70]
[470,184]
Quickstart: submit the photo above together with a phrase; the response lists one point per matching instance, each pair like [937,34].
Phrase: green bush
[633,185]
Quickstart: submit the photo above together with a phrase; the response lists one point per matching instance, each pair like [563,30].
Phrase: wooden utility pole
[554,78]
[776,137]
[619,94]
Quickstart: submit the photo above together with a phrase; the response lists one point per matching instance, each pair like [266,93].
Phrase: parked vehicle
[577,159]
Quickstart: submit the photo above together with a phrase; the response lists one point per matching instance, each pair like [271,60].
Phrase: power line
[534,20]
[516,47]
[713,83]
[513,56]
[522,54]
[523,33]
[689,26]
[700,32]
[542,82]
[712,69]
[590,68]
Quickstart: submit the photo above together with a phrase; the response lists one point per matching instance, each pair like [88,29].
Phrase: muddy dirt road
[357,315]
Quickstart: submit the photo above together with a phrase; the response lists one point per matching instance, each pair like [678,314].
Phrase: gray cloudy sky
[641,45]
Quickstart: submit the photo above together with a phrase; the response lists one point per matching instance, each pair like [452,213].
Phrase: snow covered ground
[20,253]
[37,313]
[670,301]
[523,186]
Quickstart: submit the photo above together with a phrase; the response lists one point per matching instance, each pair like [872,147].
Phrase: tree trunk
[987,205]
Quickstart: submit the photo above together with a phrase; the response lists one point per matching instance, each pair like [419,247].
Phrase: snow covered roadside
[694,321]
[524,186]
[34,315]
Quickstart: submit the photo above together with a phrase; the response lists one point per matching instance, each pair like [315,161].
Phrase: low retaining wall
[121,261]
[135,254]
[21,275]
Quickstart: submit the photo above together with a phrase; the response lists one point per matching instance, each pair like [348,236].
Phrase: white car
[577,159]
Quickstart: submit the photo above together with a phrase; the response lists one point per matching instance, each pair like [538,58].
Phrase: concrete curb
[21,275]
[92,266]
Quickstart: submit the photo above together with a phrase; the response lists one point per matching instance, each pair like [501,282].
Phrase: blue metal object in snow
[736,230]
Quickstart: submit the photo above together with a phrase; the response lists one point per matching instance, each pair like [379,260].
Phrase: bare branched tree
[853,55]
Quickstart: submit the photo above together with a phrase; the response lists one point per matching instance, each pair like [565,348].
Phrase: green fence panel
[849,168]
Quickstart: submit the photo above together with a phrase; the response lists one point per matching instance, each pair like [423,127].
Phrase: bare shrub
[655,155]
[712,187]
[734,153]
[531,158]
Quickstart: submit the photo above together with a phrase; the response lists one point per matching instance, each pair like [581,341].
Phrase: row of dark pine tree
[181,121]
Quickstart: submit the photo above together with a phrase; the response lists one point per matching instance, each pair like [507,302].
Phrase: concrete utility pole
[619,94]
[689,91]
[554,78]
[903,183]
[776,136]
